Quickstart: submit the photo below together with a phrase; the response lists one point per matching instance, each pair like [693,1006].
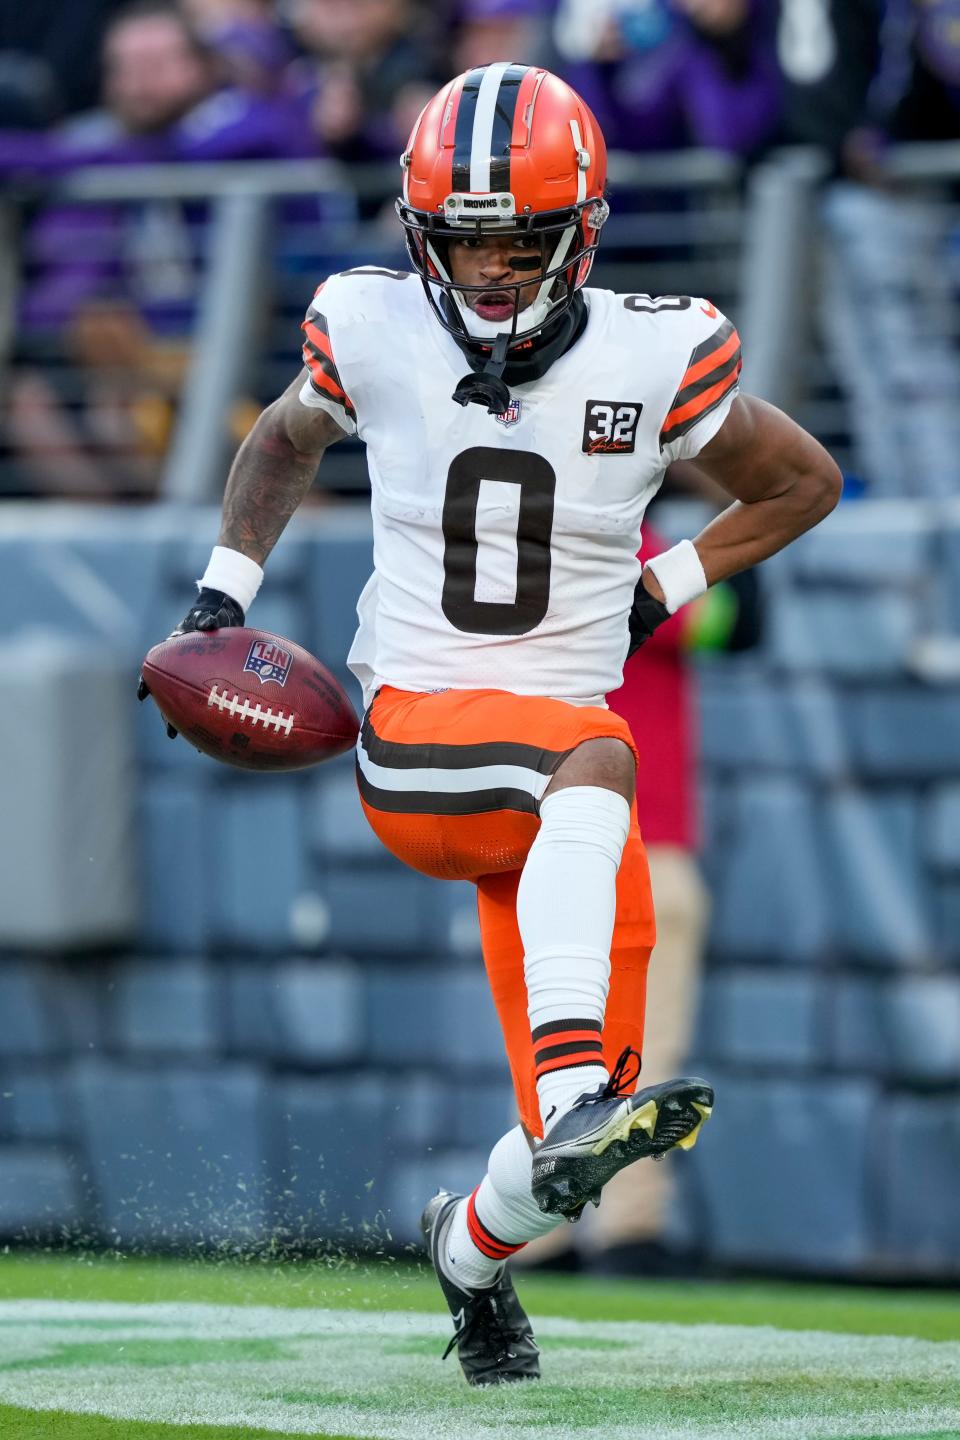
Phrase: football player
[517,424]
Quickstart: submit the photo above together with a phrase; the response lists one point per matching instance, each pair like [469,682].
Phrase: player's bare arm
[272,472]
[783,483]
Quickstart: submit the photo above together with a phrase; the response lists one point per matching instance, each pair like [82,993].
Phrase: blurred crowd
[114,82]
[111,80]
[221,79]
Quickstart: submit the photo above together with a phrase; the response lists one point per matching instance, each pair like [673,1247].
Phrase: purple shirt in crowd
[686,89]
[142,252]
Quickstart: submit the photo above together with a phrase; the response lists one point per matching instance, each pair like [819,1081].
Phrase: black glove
[213,611]
[648,612]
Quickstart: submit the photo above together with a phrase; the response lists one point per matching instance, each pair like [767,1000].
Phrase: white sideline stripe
[458,782]
[792,1348]
[421,1401]
[482,137]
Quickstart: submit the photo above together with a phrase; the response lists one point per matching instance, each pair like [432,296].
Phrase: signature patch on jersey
[511,415]
[269,662]
[610,427]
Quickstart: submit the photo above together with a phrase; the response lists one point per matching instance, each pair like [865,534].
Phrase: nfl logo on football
[511,415]
[268,662]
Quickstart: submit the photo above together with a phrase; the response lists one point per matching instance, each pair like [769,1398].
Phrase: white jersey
[505,547]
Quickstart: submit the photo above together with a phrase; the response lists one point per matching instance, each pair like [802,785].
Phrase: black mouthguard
[487,388]
[483,389]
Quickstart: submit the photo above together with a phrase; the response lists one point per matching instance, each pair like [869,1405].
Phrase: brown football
[250,699]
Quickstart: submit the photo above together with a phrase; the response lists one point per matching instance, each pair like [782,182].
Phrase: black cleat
[491,1331]
[608,1129]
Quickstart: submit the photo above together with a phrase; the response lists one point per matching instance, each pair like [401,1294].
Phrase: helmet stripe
[484,127]
[502,128]
[484,121]
[463,134]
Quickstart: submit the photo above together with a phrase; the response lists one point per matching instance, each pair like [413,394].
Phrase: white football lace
[242,710]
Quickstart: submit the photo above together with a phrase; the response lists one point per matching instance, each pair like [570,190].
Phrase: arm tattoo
[267,482]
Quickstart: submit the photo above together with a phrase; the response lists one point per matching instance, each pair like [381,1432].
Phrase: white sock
[498,1219]
[566,907]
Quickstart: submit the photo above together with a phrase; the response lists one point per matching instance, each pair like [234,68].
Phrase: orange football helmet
[508,149]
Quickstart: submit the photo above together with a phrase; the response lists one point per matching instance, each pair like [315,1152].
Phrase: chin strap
[487,387]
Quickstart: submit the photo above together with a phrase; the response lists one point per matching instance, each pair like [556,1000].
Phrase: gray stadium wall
[281,1033]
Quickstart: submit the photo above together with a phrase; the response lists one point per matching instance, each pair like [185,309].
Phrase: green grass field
[123,1349]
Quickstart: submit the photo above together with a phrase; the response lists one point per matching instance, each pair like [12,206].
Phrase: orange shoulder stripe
[700,403]
[711,360]
[322,383]
[317,336]
[318,358]
[321,380]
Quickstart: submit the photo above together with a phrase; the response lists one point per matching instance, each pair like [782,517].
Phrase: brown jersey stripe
[710,352]
[319,336]
[324,360]
[317,319]
[322,382]
[317,363]
[695,396]
[323,386]
[684,419]
[337,399]
[714,358]
[731,362]
[318,358]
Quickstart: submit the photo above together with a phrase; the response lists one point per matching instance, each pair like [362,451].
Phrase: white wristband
[680,574]
[236,575]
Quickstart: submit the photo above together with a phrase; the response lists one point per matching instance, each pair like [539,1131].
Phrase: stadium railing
[773,246]
[850,313]
[271,232]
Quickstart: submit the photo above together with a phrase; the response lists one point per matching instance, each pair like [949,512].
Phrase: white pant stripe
[460,782]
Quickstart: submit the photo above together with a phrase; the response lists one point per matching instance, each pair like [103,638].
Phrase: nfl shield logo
[269,662]
[511,415]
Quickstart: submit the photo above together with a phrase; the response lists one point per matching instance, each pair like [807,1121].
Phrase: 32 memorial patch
[610,427]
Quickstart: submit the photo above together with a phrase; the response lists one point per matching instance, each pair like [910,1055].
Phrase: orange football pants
[451,784]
